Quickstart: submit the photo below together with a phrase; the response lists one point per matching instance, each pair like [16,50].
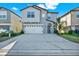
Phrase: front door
[49,28]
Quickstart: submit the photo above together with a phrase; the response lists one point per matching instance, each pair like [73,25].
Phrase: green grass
[73,38]
[4,39]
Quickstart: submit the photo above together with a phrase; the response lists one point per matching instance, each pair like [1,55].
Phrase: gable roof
[29,7]
[37,7]
[74,9]
[10,11]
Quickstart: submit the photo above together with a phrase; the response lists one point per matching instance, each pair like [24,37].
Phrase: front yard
[70,37]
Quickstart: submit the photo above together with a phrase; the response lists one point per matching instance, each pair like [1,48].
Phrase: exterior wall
[7,13]
[37,15]
[16,25]
[5,22]
[43,20]
[53,16]
[75,21]
[67,19]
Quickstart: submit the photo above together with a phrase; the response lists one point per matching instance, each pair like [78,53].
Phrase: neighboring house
[38,20]
[71,20]
[10,21]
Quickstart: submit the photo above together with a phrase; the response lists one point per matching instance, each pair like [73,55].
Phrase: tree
[60,26]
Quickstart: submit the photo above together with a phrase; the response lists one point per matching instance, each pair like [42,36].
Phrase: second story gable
[7,15]
[4,15]
[31,14]
[37,14]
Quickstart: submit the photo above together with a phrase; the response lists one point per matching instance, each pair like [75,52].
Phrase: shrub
[77,31]
[74,33]
[22,32]
[15,34]
[70,32]
[55,31]
[3,34]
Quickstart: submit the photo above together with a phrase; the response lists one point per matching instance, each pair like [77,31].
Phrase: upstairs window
[30,14]
[77,14]
[3,15]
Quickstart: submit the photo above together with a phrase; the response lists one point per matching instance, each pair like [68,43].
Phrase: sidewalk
[5,50]
[5,43]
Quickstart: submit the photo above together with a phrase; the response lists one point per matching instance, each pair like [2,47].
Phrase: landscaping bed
[5,36]
[73,38]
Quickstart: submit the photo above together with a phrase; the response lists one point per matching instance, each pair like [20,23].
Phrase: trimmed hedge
[15,34]
[4,34]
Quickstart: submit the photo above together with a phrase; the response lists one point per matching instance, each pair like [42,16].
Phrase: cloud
[48,5]
[51,5]
[42,6]
[14,8]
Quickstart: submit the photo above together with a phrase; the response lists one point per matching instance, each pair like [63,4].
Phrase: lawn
[73,38]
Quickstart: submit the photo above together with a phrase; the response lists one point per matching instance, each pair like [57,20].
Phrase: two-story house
[10,21]
[71,19]
[38,20]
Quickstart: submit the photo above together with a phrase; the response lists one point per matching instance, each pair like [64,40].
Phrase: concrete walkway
[7,42]
[43,44]
[5,50]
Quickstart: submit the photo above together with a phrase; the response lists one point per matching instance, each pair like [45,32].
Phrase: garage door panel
[35,29]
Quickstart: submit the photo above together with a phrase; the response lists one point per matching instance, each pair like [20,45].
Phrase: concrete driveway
[43,44]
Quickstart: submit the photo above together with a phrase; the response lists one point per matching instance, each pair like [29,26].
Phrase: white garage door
[33,29]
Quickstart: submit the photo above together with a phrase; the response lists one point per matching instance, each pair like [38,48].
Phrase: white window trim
[31,14]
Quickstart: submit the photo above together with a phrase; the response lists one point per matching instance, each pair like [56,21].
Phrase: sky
[61,8]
